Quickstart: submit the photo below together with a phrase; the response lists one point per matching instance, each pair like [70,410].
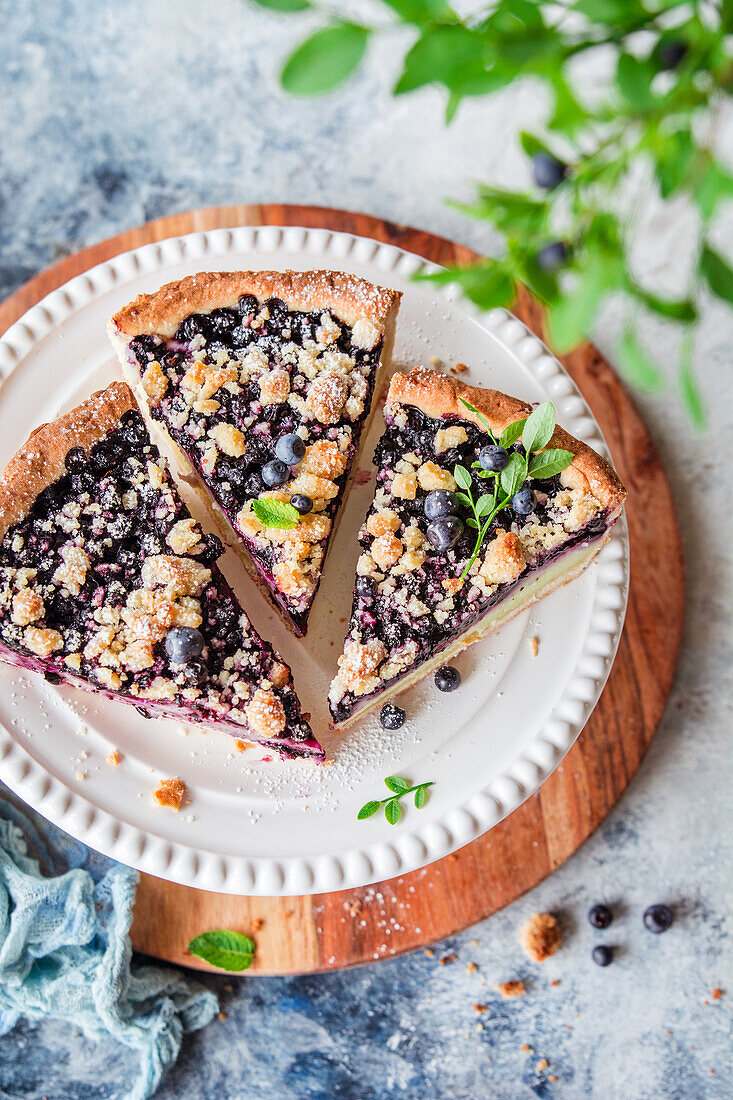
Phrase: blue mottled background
[112,114]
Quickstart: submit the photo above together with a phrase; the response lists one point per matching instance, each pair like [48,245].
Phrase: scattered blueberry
[547,170]
[600,916]
[275,473]
[523,501]
[444,533]
[447,678]
[493,457]
[441,502]
[672,53]
[658,918]
[602,955]
[391,716]
[290,449]
[552,256]
[183,644]
[302,503]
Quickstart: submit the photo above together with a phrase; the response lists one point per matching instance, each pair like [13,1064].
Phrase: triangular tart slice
[264,384]
[108,584]
[430,580]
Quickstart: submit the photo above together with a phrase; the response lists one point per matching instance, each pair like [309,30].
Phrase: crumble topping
[540,936]
[170,793]
[410,599]
[230,383]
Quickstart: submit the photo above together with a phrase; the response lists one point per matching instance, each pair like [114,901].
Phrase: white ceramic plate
[267,827]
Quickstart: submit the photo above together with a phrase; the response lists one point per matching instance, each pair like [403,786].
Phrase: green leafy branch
[224,949]
[392,806]
[535,431]
[569,238]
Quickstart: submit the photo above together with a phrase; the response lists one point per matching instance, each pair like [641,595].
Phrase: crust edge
[439,395]
[42,459]
[348,296]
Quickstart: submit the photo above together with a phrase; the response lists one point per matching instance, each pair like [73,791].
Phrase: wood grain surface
[328,931]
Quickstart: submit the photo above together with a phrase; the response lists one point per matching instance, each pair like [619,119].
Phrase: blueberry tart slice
[263,383]
[482,506]
[108,584]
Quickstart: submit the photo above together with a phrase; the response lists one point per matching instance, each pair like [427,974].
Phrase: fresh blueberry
[444,533]
[391,716]
[552,256]
[493,457]
[547,170]
[275,473]
[602,955]
[658,918]
[671,53]
[302,503]
[290,449]
[447,678]
[600,916]
[523,501]
[183,644]
[441,502]
[364,587]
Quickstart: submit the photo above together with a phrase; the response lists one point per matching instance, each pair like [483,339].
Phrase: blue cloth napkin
[65,915]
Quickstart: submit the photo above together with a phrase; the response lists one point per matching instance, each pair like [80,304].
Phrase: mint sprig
[224,949]
[535,432]
[392,806]
[275,513]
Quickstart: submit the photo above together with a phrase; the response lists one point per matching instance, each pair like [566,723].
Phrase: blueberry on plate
[275,473]
[302,503]
[523,501]
[600,916]
[658,918]
[493,457]
[445,532]
[290,449]
[602,955]
[391,716]
[447,678]
[183,644]
[441,502]
[547,170]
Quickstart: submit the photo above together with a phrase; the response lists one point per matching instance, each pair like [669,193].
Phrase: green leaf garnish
[287,7]
[536,431]
[325,59]
[224,949]
[275,513]
[392,806]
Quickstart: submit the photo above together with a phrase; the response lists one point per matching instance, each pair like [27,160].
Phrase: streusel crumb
[540,936]
[170,792]
[511,989]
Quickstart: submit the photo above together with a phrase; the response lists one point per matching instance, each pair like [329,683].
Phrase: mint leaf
[393,811]
[548,463]
[512,432]
[287,6]
[718,274]
[421,797]
[540,425]
[513,475]
[325,59]
[396,784]
[275,513]
[636,366]
[368,810]
[224,949]
[462,476]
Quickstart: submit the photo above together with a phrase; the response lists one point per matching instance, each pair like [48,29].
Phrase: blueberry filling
[79,563]
[242,392]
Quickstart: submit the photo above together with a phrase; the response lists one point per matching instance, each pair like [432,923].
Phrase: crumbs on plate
[170,793]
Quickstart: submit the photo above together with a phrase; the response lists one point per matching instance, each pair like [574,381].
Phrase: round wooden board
[329,931]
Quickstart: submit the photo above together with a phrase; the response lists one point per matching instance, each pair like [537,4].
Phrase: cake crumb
[436,361]
[480,1008]
[542,1064]
[170,792]
[447,959]
[552,1078]
[242,746]
[353,908]
[81,775]
[511,989]
[222,1015]
[472,968]
[540,936]
[534,646]
[257,924]
[458,368]
[556,981]
[527,1048]
[717,994]
[114,758]
[429,952]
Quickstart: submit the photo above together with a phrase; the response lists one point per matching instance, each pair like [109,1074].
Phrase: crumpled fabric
[65,951]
